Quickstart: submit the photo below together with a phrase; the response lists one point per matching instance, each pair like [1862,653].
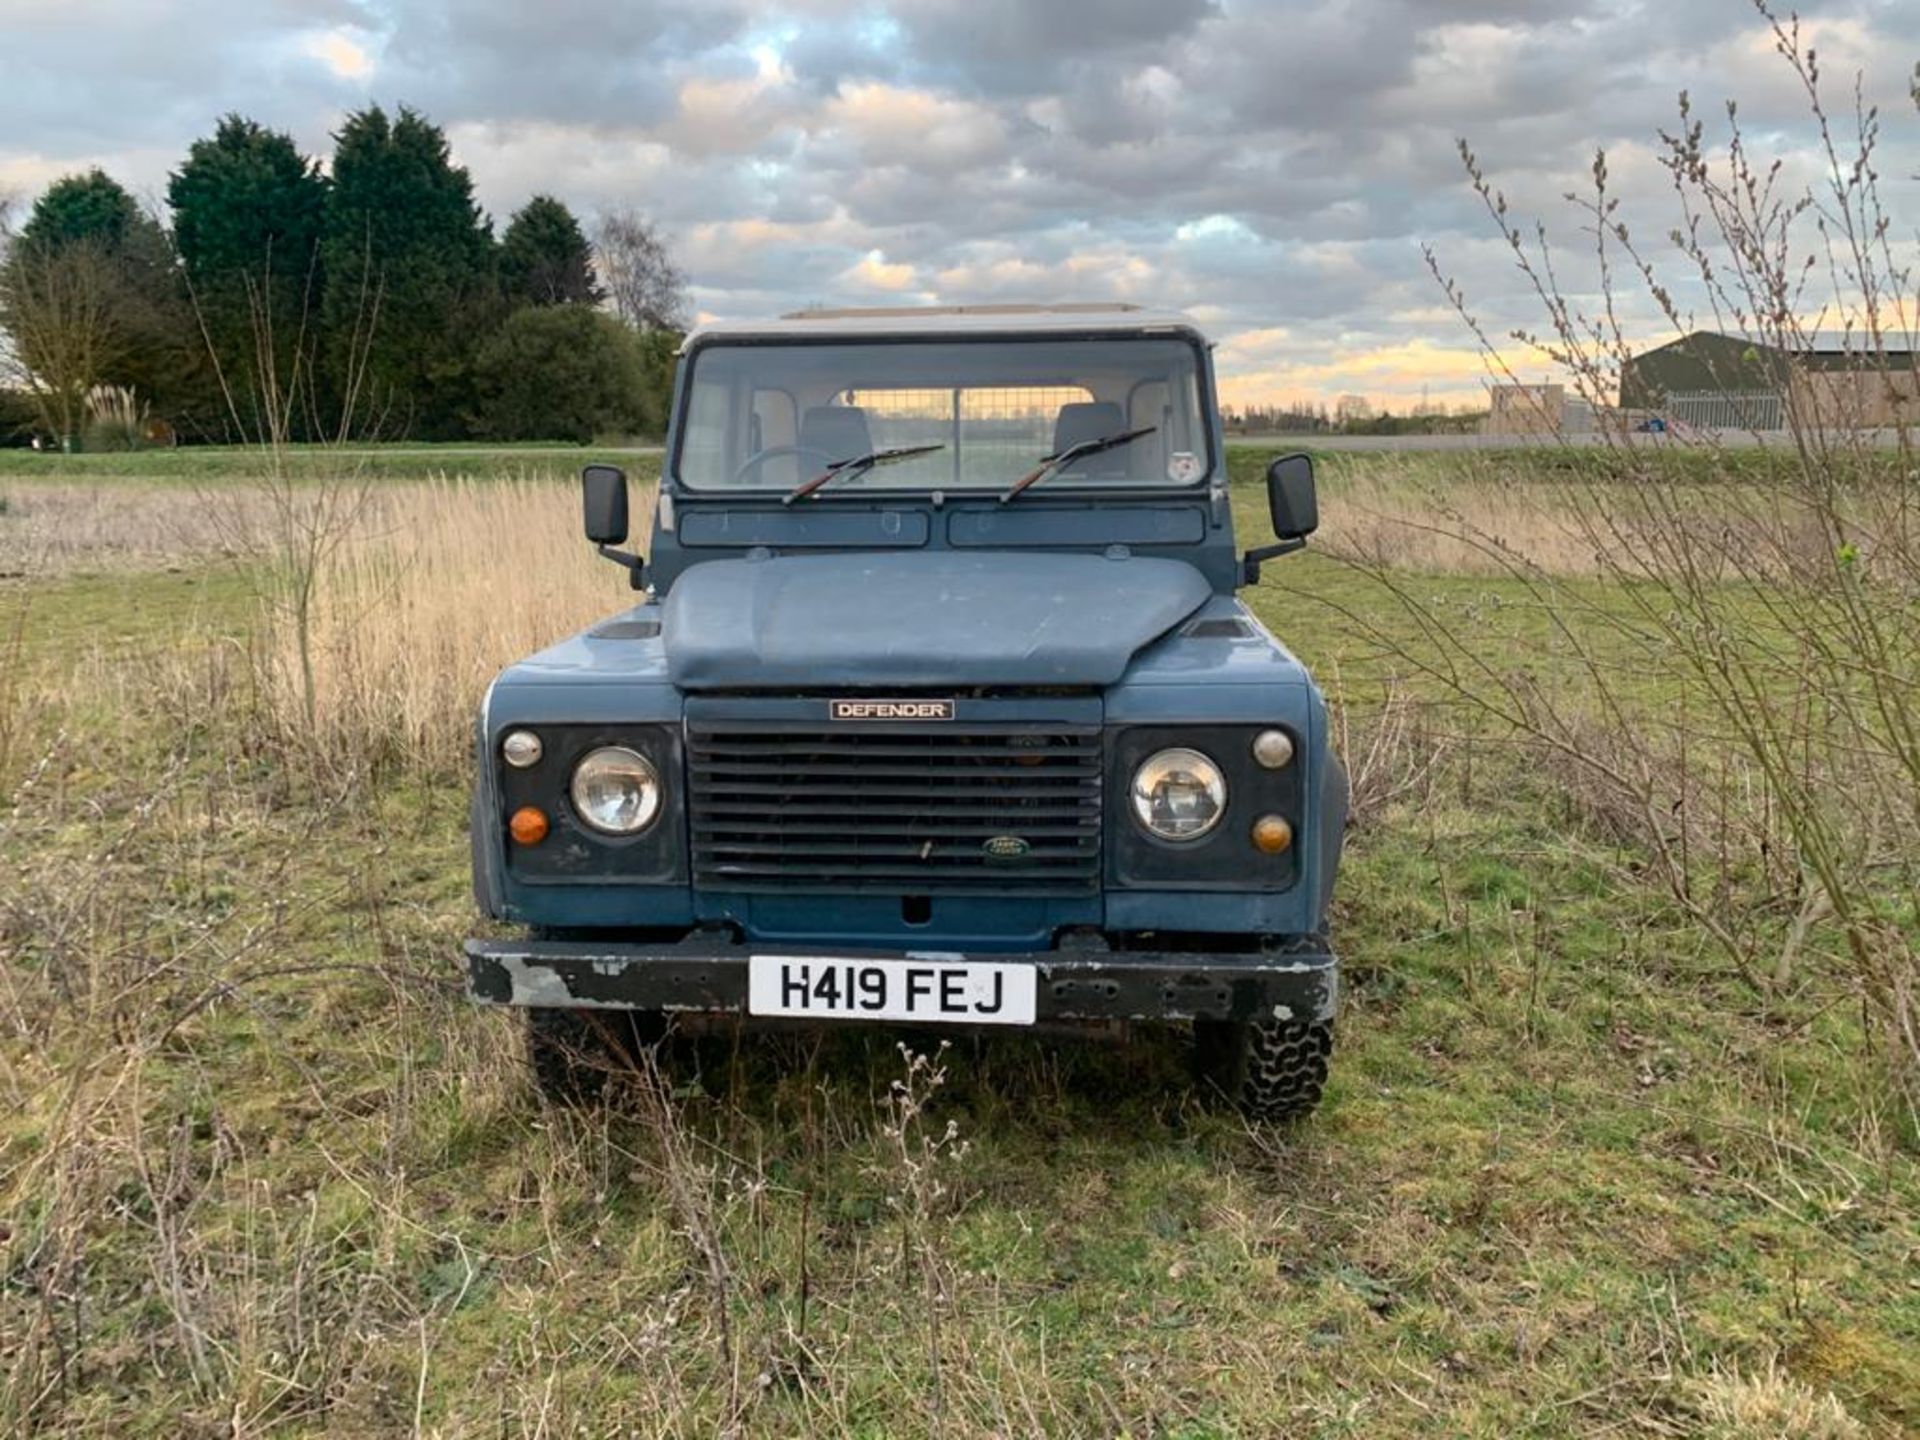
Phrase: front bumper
[1299,981]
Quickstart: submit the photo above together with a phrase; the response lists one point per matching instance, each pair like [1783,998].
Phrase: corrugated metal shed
[1830,377]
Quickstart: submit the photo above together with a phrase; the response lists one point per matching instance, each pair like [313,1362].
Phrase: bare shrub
[1392,750]
[300,518]
[1782,601]
[924,1166]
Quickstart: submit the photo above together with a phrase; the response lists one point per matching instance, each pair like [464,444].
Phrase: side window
[704,437]
[1151,403]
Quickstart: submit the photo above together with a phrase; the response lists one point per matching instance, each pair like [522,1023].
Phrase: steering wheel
[775,452]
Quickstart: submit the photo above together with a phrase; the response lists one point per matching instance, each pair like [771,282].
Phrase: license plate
[919,988]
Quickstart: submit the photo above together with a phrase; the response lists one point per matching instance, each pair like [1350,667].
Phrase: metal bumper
[705,975]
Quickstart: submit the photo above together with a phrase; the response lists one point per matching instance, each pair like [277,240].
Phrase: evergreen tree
[545,258]
[248,210]
[409,264]
[93,207]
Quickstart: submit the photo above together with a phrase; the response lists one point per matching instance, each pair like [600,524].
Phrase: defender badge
[890,709]
[1004,849]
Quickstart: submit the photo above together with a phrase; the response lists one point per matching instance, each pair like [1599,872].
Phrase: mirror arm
[635,565]
[1250,562]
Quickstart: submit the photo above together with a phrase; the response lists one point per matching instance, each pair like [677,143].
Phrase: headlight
[1179,794]
[616,791]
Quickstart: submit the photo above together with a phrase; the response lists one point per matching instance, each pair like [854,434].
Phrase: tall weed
[1783,625]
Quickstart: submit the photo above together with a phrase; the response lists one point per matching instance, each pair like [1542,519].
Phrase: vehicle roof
[933,321]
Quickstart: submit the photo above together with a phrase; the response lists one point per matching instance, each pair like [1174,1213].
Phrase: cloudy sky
[1272,166]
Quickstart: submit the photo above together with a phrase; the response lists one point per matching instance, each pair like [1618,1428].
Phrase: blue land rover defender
[939,709]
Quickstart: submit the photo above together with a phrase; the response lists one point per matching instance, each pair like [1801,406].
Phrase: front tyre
[1272,1069]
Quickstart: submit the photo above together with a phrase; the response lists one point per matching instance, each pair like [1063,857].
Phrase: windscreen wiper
[859,465]
[1061,459]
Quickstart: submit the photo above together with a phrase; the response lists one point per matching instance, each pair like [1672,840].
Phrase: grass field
[263,1170]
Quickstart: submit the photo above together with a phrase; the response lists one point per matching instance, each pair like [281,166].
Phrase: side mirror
[1291,497]
[603,499]
[1295,508]
[603,493]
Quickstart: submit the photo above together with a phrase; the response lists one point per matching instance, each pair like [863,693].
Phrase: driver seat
[840,432]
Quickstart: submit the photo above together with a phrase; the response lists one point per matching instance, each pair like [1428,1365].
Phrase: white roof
[933,321]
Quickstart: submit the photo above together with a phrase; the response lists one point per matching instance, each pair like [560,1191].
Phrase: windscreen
[775,415]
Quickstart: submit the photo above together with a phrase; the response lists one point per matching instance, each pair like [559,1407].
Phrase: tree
[545,258]
[560,372]
[248,211]
[58,307]
[88,207]
[644,286]
[409,263]
[659,352]
[126,275]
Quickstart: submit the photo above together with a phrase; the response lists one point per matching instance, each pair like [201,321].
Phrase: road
[1729,439]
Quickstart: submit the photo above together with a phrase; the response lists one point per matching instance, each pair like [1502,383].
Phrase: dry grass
[1770,1405]
[1403,513]
[1480,514]
[437,589]
[50,529]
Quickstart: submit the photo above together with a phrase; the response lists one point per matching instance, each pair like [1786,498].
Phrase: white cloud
[339,52]
[874,272]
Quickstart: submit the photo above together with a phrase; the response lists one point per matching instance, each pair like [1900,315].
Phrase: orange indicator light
[528,826]
[1271,834]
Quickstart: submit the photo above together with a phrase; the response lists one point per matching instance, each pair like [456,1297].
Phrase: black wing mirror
[1291,497]
[1294,504]
[603,492]
[603,503]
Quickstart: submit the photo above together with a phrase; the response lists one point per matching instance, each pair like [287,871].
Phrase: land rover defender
[939,710]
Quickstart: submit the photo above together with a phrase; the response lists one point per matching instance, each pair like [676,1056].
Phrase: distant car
[940,711]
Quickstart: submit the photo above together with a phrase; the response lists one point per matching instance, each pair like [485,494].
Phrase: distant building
[1526,410]
[1721,382]
[1841,379]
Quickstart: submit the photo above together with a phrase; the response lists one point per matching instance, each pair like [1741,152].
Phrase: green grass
[1569,1166]
[212,464]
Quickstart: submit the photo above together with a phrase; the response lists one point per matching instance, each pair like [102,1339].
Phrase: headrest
[1091,420]
[837,431]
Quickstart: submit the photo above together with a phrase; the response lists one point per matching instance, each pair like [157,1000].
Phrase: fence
[1728,410]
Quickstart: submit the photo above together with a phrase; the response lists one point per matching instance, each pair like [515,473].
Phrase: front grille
[913,810]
